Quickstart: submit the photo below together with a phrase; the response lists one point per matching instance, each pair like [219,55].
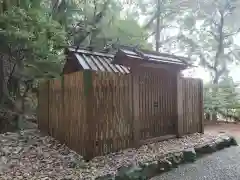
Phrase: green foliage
[32,41]
[225,99]
[98,24]
[31,49]
[119,33]
[34,33]
[207,37]
[161,20]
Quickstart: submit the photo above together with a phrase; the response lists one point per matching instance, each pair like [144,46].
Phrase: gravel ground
[222,165]
[31,155]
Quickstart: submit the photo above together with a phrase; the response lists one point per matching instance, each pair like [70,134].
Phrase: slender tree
[207,37]
[1,80]
[160,18]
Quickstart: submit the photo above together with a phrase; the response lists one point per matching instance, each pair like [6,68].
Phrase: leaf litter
[31,155]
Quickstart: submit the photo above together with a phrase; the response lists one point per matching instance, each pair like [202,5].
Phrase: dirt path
[231,129]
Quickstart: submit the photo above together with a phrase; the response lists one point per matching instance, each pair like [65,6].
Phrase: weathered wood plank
[180,108]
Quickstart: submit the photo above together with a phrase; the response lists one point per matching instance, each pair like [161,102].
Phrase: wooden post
[180,118]
[64,104]
[201,107]
[43,107]
[88,92]
[135,103]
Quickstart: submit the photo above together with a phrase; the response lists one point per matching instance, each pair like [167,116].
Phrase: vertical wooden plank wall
[201,106]
[62,110]
[135,106]
[96,113]
[180,109]
[43,107]
[157,110]
[74,123]
[90,121]
[190,106]
[112,112]
[55,107]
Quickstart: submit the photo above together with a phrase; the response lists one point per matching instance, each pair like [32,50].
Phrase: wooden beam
[43,107]
[201,106]
[135,100]
[170,68]
[88,93]
[180,99]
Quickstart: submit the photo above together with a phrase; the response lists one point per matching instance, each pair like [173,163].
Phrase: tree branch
[194,45]
[220,42]
[96,19]
[204,62]
[232,34]
[214,35]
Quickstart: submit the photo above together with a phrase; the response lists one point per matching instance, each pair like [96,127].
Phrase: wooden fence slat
[136,107]
[180,103]
[191,118]
[88,92]
[201,108]
[43,107]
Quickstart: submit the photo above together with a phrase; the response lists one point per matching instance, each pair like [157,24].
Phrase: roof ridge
[153,55]
[84,51]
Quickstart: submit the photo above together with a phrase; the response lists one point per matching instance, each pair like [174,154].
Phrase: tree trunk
[1,80]
[219,52]
[158,27]
[214,116]
[215,90]
[207,117]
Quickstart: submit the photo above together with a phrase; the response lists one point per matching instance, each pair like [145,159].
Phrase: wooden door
[157,103]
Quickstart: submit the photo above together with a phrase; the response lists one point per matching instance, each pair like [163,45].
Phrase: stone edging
[144,171]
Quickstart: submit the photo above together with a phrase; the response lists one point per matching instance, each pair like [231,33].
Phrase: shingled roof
[151,56]
[96,61]
[120,62]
